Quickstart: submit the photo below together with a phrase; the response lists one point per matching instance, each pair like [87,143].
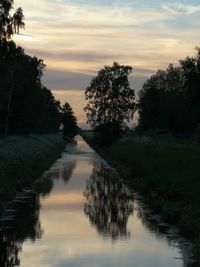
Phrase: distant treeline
[170,99]
[26,106]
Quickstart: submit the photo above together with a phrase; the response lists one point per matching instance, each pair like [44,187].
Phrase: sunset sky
[78,37]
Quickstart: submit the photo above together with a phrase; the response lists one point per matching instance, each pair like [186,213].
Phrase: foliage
[69,121]
[170,99]
[111,102]
[10,23]
[26,106]
[197,134]
[23,159]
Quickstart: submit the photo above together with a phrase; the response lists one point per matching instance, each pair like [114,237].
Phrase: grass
[23,159]
[168,176]
[164,163]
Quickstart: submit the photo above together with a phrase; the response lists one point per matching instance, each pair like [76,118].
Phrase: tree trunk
[9,104]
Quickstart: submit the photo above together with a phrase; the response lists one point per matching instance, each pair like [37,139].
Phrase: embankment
[167,174]
[23,159]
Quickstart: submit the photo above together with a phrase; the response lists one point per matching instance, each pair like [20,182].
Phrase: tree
[69,121]
[160,101]
[26,106]
[170,99]
[9,23]
[111,102]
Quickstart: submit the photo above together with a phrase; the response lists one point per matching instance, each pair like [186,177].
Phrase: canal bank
[167,175]
[23,159]
[84,215]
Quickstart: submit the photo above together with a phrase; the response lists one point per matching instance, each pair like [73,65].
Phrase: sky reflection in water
[89,219]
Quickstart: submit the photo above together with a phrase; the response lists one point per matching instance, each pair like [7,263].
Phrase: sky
[76,38]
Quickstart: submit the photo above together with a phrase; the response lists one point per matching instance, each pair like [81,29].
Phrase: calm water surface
[82,216]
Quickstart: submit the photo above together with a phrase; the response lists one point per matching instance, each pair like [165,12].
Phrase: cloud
[77,38]
[73,55]
[90,14]
[181,8]
[64,80]
[57,79]
[169,9]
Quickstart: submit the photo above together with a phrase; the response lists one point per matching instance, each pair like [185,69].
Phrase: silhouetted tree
[170,99]
[9,24]
[69,121]
[191,76]
[111,102]
[26,106]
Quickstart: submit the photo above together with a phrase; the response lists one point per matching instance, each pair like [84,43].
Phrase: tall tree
[10,23]
[26,106]
[170,99]
[111,102]
[69,121]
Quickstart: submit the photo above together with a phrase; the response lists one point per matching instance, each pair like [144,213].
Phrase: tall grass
[166,163]
[23,159]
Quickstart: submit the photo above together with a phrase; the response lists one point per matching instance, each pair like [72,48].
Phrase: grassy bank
[23,159]
[168,176]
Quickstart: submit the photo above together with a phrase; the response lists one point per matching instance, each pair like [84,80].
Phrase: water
[81,214]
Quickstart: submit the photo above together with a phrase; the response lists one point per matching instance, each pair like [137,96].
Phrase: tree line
[169,100]
[26,106]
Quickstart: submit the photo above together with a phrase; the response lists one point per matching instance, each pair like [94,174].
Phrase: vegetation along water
[22,161]
[166,174]
[80,212]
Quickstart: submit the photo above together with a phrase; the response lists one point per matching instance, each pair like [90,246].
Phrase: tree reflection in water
[68,171]
[109,203]
[21,222]
[62,171]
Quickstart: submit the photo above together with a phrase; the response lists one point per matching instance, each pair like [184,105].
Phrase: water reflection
[18,224]
[109,203]
[62,170]
[21,221]
[66,228]
[68,170]
[164,231]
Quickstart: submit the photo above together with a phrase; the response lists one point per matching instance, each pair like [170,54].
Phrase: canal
[81,214]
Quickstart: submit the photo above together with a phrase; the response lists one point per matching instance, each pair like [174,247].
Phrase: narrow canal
[81,214]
